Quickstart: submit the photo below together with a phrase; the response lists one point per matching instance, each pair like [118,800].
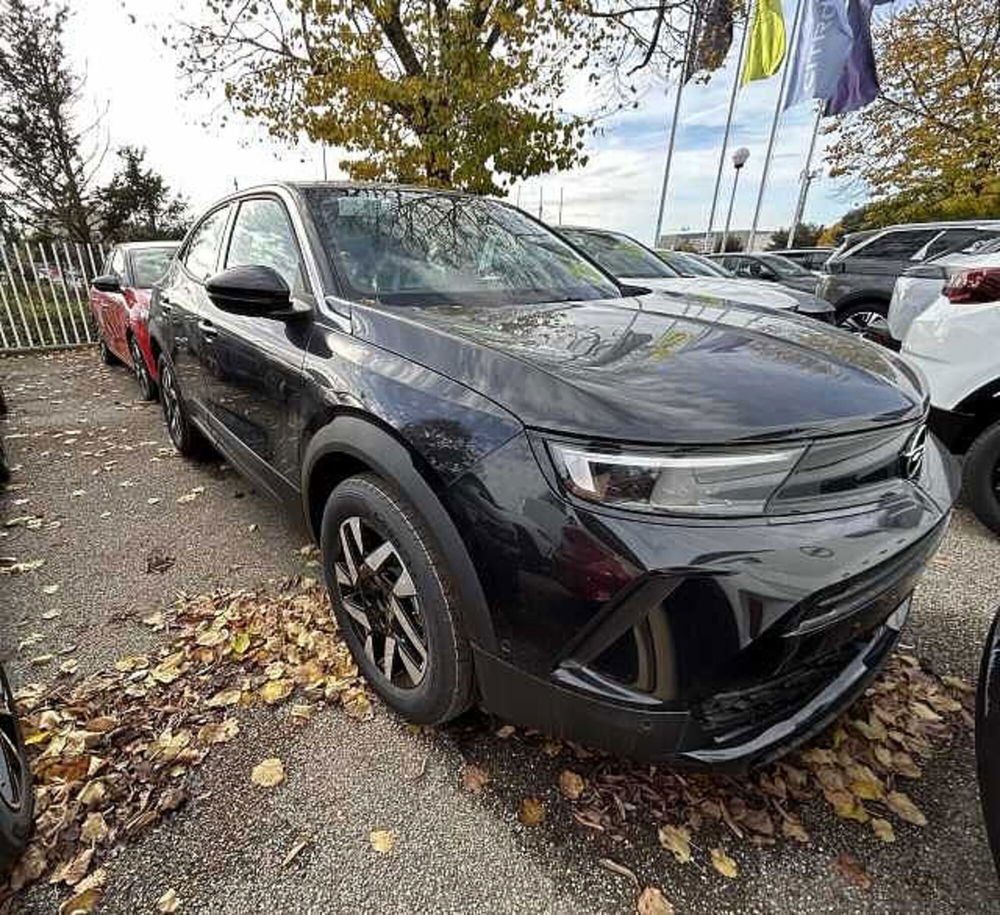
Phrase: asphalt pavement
[92,457]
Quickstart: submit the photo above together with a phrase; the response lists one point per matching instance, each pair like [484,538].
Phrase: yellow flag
[766,50]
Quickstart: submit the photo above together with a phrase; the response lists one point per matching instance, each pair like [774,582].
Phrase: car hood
[655,368]
[751,292]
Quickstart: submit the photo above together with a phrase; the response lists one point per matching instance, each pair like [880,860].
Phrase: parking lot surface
[90,456]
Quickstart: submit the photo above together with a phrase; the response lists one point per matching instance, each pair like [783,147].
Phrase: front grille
[848,470]
[726,716]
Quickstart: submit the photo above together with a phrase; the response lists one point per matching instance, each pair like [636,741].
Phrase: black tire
[868,319]
[17,800]
[186,438]
[147,387]
[445,687]
[107,357]
[981,477]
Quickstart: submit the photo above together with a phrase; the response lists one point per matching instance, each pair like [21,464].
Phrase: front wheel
[147,387]
[395,600]
[981,477]
[107,357]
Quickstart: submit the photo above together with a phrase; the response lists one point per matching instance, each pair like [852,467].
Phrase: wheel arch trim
[359,439]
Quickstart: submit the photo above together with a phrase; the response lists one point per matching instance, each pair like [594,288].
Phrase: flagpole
[709,236]
[807,176]
[673,129]
[789,57]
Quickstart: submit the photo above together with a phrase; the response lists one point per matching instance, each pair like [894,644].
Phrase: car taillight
[981,284]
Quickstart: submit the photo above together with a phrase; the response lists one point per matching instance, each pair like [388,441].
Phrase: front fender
[363,441]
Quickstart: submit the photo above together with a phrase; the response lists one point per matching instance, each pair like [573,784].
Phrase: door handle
[208,329]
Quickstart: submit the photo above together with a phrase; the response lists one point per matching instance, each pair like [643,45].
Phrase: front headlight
[690,482]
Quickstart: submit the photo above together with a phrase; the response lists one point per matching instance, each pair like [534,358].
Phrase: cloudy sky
[131,74]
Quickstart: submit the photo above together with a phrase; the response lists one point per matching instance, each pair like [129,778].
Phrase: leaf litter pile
[112,752]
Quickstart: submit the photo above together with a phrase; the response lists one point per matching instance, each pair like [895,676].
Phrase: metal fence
[44,294]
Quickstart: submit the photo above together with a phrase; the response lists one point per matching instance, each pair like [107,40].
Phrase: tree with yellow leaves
[927,147]
[451,93]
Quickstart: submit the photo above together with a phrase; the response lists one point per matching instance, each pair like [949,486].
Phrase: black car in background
[988,736]
[670,528]
[770,268]
[17,800]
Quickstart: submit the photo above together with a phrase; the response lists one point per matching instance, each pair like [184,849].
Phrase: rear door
[110,309]
[184,303]
[253,365]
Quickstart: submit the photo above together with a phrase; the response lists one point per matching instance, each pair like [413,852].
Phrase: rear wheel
[147,387]
[395,601]
[16,796]
[981,477]
[186,438]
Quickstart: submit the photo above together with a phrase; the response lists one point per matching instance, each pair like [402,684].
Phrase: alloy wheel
[378,595]
[171,402]
[869,324]
[141,371]
[12,771]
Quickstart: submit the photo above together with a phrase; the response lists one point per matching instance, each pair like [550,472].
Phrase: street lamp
[740,157]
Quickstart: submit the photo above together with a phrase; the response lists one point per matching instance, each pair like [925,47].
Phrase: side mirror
[107,282]
[255,291]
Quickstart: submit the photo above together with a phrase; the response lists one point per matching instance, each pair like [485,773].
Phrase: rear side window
[203,249]
[116,264]
[263,237]
[899,246]
[964,241]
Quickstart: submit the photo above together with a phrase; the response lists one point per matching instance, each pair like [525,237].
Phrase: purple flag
[858,83]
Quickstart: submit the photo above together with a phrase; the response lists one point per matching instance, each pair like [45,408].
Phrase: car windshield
[783,266]
[687,264]
[620,255]
[149,264]
[403,247]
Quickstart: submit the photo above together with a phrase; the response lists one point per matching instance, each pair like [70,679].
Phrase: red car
[119,299]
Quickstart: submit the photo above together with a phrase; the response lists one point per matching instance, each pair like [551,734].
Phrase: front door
[184,302]
[253,365]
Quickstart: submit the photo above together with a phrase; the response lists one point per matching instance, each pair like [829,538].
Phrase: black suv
[672,527]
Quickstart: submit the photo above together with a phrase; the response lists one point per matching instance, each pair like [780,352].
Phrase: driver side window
[263,236]
[203,249]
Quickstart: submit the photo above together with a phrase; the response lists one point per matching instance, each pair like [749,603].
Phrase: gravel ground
[90,458]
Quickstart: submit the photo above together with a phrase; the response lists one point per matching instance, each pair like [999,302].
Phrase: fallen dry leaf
[883,829]
[723,863]
[901,805]
[676,839]
[268,773]
[168,902]
[571,784]
[474,778]
[652,902]
[620,869]
[531,811]
[382,840]
[850,869]
[296,850]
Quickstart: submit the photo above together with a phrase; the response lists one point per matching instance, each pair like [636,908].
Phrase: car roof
[944,224]
[140,245]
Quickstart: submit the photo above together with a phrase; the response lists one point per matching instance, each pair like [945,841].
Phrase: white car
[632,262]
[955,344]
[919,287]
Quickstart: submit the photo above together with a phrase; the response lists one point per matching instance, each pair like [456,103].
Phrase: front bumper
[707,644]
